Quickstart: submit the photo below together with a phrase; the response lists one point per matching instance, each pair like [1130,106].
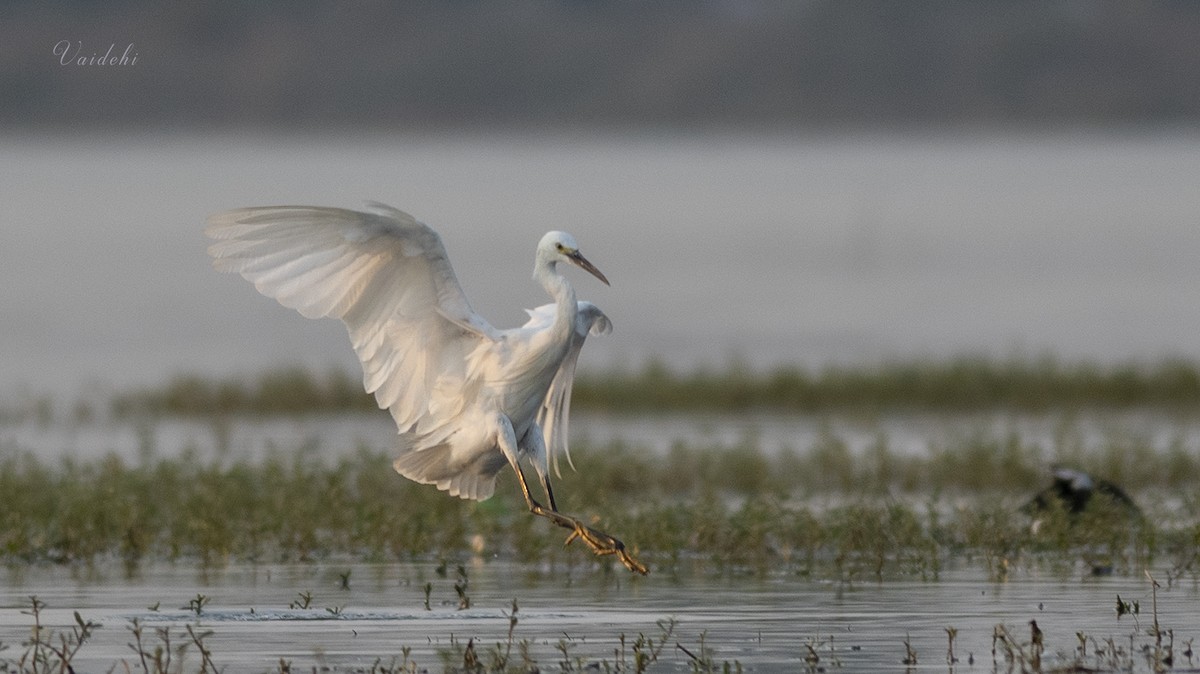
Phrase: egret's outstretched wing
[556,408]
[385,275]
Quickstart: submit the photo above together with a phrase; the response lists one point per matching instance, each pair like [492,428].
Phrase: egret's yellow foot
[602,544]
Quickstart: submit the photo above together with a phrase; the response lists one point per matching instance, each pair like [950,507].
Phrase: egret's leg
[600,542]
[506,438]
[535,447]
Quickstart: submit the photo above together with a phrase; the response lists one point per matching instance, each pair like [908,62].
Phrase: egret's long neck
[546,273]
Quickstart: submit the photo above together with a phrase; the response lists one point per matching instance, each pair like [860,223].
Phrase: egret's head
[561,247]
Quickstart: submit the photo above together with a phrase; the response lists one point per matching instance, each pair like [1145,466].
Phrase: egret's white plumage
[556,408]
[467,398]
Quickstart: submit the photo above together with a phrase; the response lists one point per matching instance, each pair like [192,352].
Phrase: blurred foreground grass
[956,385]
[822,513]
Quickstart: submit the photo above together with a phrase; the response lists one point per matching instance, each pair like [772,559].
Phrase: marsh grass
[1153,646]
[49,650]
[954,385]
[724,510]
[823,509]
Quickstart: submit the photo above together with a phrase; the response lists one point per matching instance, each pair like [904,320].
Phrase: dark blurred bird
[1074,491]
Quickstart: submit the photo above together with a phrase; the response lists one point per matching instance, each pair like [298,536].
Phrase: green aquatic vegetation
[982,462]
[813,660]
[304,601]
[1155,645]
[646,649]
[952,385]
[48,650]
[739,509]
[875,538]
[196,604]
[703,660]
[951,635]
[910,655]
[291,390]
[460,588]
[161,651]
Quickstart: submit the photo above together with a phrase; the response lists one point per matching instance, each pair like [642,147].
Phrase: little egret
[467,398]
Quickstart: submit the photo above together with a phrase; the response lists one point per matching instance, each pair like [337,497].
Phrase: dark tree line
[573,63]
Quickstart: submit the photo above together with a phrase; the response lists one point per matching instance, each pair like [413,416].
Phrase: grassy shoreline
[954,385]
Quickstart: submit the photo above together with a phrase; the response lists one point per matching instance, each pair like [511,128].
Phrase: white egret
[467,398]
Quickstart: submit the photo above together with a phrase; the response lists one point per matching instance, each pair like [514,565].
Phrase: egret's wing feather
[597,321]
[539,318]
[556,408]
[385,275]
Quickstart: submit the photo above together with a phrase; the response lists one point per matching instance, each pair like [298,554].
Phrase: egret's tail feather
[472,487]
[433,465]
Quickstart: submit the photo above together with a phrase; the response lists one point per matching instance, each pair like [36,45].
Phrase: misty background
[764,182]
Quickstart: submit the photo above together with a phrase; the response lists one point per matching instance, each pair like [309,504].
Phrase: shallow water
[329,437]
[762,623]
